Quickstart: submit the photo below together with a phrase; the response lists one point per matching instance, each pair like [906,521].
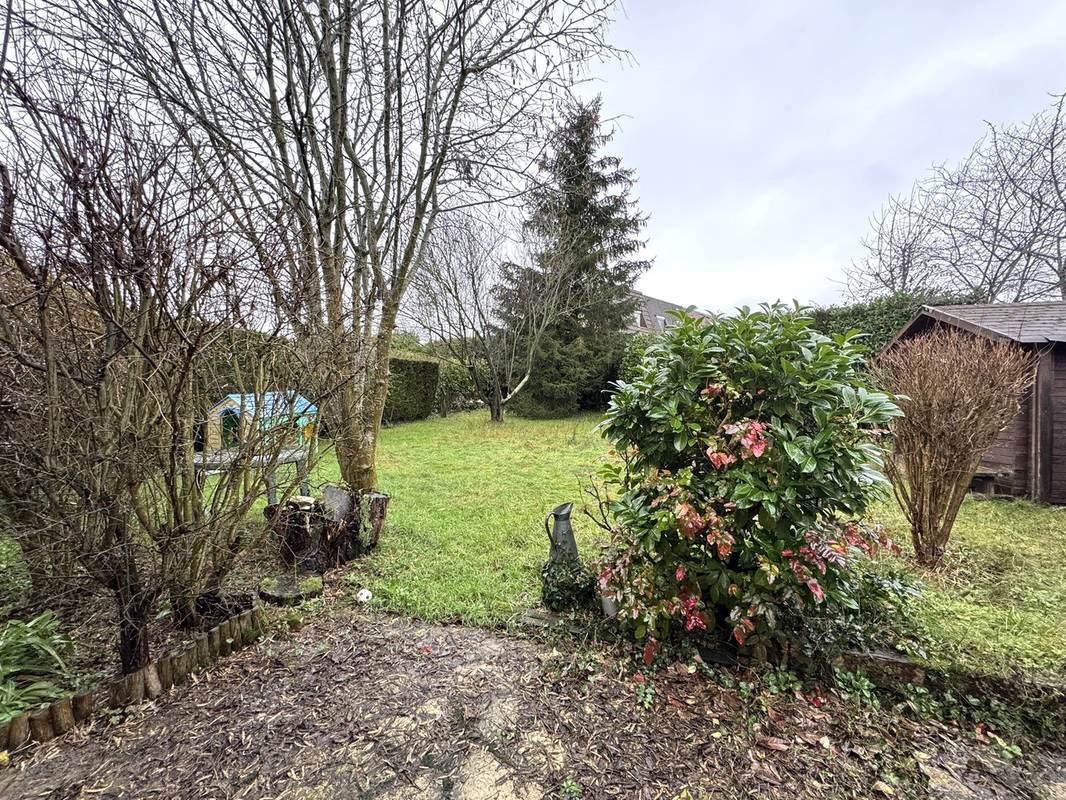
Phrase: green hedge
[413,382]
[880,319]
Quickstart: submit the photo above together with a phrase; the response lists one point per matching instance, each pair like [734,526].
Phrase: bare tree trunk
[134,607]
[496,405]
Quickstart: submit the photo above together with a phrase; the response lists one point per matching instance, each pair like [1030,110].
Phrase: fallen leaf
[773,743]
[883,788]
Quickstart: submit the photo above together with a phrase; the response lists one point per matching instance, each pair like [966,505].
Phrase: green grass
[998,601]
[465,539]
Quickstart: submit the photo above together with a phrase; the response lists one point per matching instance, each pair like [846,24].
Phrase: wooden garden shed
[1029,457]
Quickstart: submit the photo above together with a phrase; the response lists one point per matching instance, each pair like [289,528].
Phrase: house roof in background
[651,308]
[1029,323]
[272,404]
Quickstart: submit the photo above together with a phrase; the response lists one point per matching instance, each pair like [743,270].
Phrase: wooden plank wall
[1057,460]
[1010,455]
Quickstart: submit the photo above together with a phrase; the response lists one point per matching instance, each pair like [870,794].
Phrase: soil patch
[359,705]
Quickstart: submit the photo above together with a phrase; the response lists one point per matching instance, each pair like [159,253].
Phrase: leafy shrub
[874,612]
[32,660]
[740,442]
[566,585]
[412,389]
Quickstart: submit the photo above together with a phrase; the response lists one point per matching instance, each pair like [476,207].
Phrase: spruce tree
[588,225]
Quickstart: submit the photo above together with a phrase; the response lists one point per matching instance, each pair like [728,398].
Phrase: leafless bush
[959,391]
[118,276]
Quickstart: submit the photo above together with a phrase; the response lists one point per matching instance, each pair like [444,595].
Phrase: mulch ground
[361,705]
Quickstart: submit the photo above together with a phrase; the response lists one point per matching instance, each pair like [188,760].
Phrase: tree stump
[378,511]
[3,734]
[62,716]
[288,590]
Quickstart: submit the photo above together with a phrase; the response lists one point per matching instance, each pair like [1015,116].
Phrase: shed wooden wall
[1058,426]
[1008,457]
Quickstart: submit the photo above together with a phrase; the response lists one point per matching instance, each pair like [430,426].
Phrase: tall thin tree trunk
[496,405]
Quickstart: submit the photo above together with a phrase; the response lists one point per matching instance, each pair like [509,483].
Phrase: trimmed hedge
[880,319]
[413,385]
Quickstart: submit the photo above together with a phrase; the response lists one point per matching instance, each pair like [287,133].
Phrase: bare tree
[992,228]
[471,263]
[118,276]
[345,128]
[957,392]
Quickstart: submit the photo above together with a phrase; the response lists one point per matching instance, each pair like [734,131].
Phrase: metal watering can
[561,535]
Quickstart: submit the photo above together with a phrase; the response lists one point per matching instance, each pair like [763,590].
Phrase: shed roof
[1029,323]
[271,404]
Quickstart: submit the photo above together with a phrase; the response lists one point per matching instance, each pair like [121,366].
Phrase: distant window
[662,323]
[638,318]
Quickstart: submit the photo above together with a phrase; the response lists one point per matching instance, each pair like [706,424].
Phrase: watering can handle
[547,530]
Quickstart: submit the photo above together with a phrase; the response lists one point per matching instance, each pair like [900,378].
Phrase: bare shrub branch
[957,392]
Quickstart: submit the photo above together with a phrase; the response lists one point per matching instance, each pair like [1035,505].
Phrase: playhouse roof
[272,404]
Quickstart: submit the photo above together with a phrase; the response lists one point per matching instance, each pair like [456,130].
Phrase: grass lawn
[466,540]
[999,599]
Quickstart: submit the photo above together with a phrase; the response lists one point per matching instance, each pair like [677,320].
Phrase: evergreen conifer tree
[589,226]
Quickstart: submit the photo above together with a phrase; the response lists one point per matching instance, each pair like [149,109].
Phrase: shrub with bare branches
[957,392]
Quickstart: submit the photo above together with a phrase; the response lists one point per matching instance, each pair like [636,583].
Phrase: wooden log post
[153,687]
[213,637]
[225,646]
[62,716]
[41,729]
[83,705]
[379,509]
[3,734]
[119,693]
[259,619]
[179,670]
[135,682]
[203,651]
[18,731]
[165,668]
[244,622]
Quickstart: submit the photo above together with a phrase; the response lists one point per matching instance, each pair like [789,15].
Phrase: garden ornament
[561,535]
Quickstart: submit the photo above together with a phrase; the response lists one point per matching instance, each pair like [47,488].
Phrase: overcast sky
[765,134]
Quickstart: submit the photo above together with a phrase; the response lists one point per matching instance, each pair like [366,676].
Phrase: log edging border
[46,722]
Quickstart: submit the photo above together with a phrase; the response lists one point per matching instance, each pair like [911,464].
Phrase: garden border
[45,723]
